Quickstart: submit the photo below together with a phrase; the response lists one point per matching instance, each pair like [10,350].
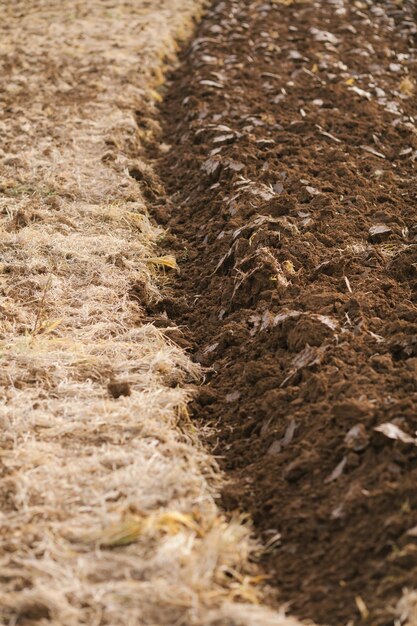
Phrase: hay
[406,611]
[108,512]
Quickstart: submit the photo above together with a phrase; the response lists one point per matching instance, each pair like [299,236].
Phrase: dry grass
[407,609]
[108,513]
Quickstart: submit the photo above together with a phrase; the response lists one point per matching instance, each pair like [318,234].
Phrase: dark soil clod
[117,389]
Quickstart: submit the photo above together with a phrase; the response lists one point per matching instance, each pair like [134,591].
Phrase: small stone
[379,233]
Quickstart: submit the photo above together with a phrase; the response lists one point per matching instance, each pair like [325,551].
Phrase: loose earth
[289,150]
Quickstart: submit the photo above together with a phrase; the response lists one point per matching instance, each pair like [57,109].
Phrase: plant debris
[379,233]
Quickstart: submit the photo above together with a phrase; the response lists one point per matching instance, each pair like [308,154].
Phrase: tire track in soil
[289,148]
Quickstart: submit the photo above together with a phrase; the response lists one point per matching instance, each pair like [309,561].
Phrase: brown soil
[291,171]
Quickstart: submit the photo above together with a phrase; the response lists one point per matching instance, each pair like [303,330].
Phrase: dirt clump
[118,389]
[289,153]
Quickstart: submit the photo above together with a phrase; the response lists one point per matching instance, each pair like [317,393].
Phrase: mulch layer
[289,152]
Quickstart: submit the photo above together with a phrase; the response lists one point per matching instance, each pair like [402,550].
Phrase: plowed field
[289,154]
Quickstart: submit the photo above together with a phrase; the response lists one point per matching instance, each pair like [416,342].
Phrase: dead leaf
[327,321]
[211,348]
[211,83]
[49,327]
[360,92]
[289,433]
[394,432]
[211,166]
[224,139]
[308,357]
[312,191]
[236,166]
[407,86]
[395,67]
[288,267]
[276,446]
[330,136]
[357,438]
[362,608]
[233,397]
[337,472]
[324,35]
[379,233]
[349,288]
[373,151]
